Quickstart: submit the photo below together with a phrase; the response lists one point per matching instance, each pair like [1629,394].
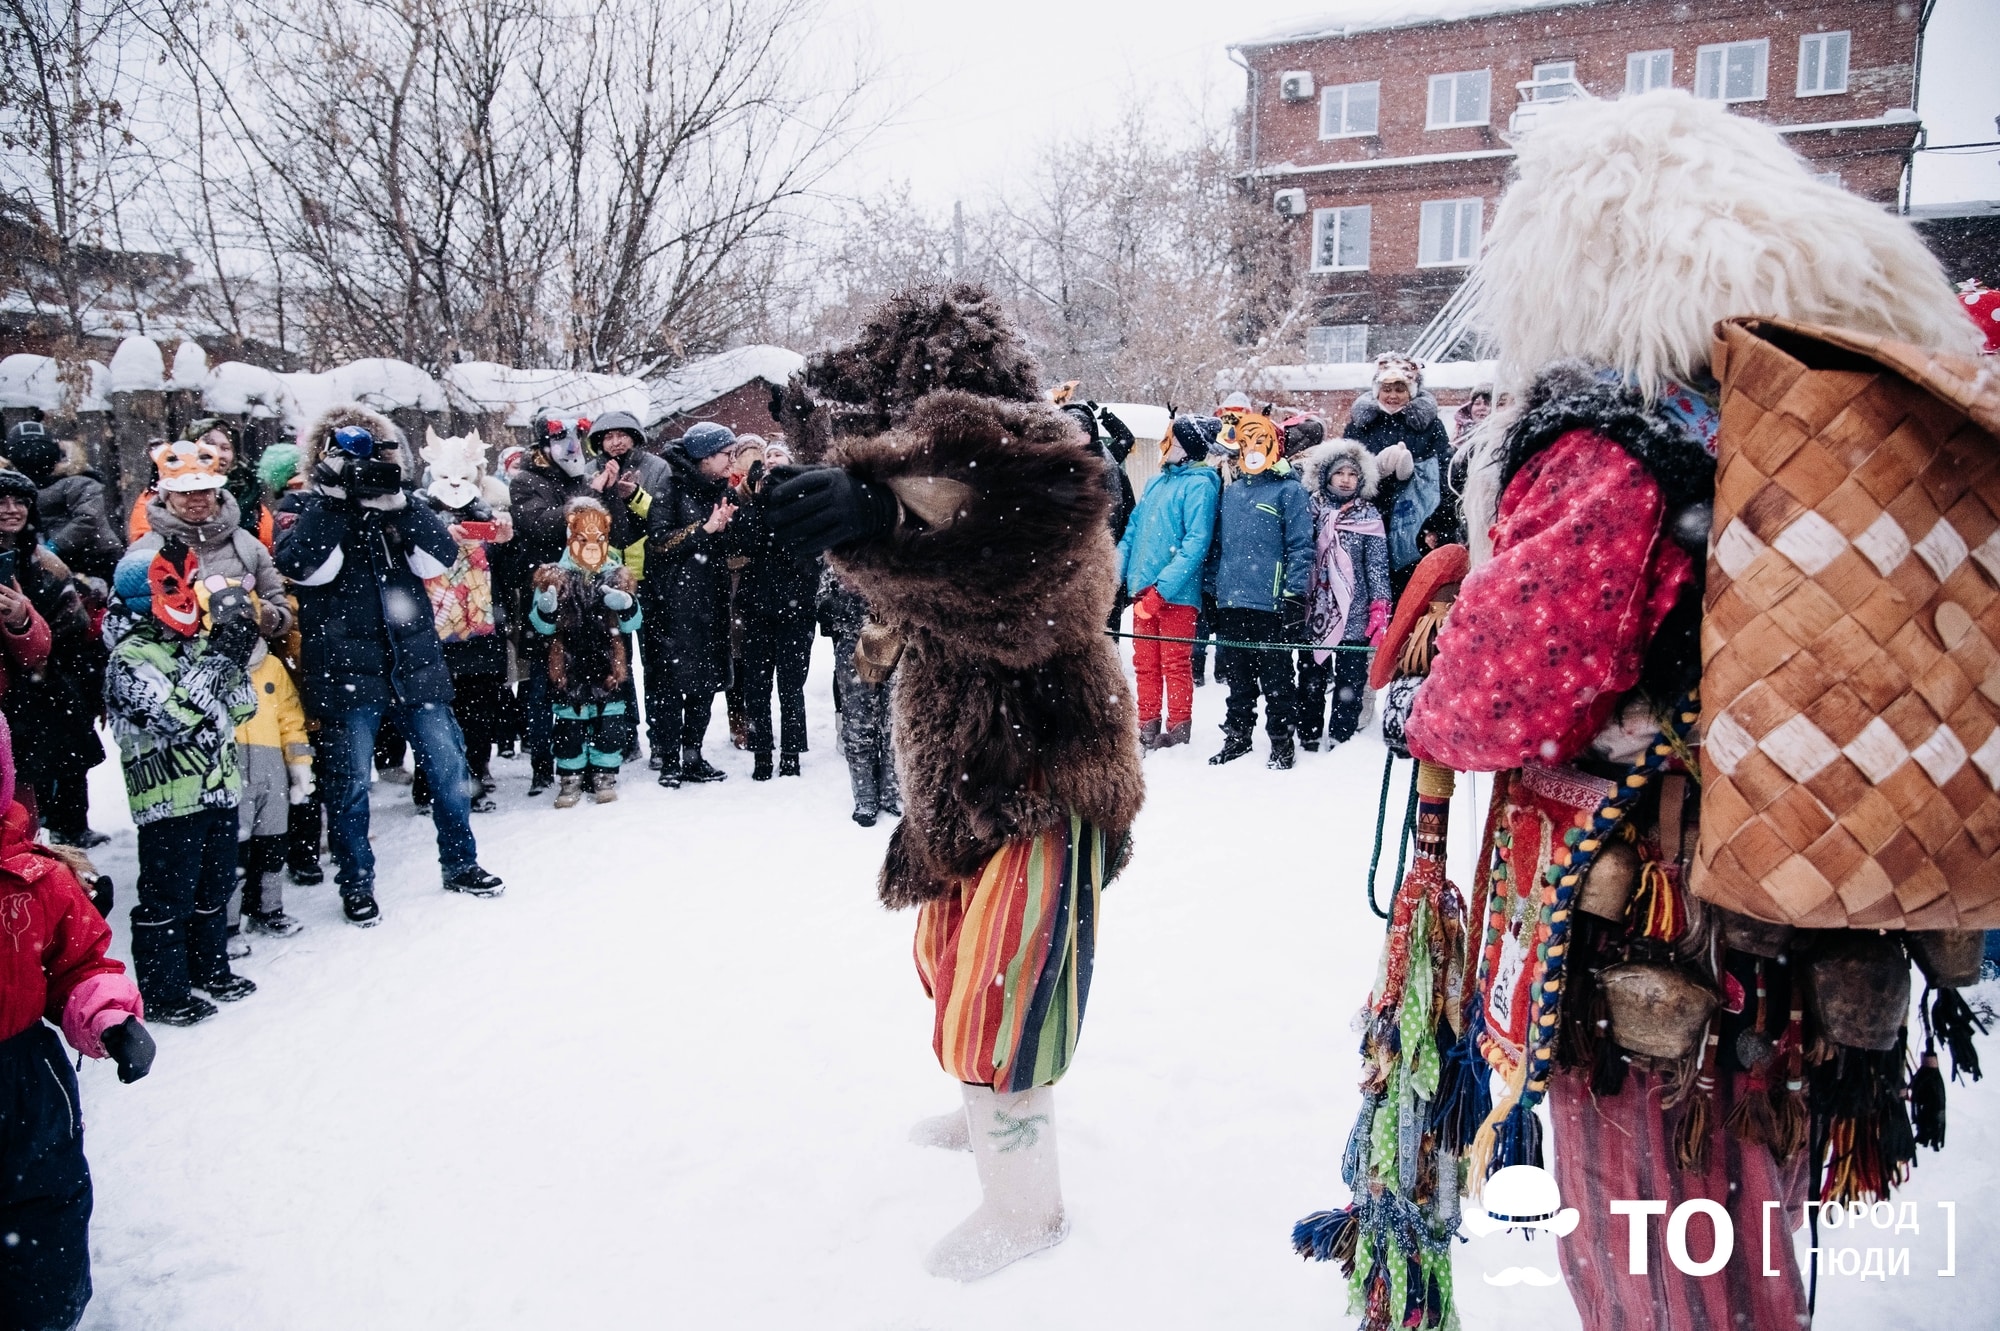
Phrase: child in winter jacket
[174,697]
[1160,559]
[584,604]
[55,975]
[274,754]
[471,619]
[1348,594]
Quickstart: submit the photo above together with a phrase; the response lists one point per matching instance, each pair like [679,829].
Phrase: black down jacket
[686,590]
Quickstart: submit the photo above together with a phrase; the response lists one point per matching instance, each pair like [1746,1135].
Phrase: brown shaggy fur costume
[1010,707]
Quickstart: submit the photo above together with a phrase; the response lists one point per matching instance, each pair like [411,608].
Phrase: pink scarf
[1332,588]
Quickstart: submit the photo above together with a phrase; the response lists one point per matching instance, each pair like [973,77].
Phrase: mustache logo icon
[1522,1275]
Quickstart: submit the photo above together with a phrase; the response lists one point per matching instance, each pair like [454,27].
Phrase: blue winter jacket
[1264,527]
[1168,536]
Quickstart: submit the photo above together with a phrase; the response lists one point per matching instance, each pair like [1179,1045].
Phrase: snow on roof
[1350,377]
[30,381]
[234,388]
[1149,424]
[190,365]
[389,385]
[1359,16]
[137,366]
[701,381]
[483,386]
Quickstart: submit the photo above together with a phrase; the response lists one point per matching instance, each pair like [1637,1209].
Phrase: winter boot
[1174,736]
[867,793]
[653,761]
[1233,747]
[1149,734]
[947,1132]
[208,958]
[361,910]
[1020,1210]
[271,923]
[1281,753]
[474,881]
[605,789]
[891,798]
[159,962]
[670,775]
[187,1012]
[571,792]
[541,776]
[760,770]
[695,768]
[788,764]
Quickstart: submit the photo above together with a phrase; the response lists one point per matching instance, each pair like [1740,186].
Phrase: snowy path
[665,1081]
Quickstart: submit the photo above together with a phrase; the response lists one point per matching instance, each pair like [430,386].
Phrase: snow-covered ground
[665,1081]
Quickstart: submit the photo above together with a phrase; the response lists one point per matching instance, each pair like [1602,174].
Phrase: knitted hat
[705,439]
[21,487]
[1399,369]
[130,582]
[32,449]
[278,466]
[1196,435]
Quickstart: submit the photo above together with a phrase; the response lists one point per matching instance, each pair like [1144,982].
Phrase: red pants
[1164,663]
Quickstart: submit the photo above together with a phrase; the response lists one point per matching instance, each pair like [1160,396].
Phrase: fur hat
[317,438]
[1632,227]
[1393,367]
[922,341]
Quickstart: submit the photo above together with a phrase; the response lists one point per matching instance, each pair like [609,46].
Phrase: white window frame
[1451,80]
[1639,67]
[1823,40]
[1555,69]
[1461,253]
[1345,96]
[1761,79]
[1322,217]
[1354,335]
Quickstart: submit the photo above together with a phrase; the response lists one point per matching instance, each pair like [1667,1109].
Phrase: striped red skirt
[1006,959]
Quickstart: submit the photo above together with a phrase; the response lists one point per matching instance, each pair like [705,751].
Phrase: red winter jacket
[1549,632]
[52,961]
[23,652]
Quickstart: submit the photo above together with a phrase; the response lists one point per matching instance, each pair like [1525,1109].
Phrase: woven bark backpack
[1851,636]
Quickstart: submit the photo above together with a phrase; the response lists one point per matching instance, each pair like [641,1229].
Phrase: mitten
[270,618]
[545,602]
[130,1045]
[1119,433]
[1396,460]
[233,628]
[615,600]
[301,777]
[824,507]
[1378,622]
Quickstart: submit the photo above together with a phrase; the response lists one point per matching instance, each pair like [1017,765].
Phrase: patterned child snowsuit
[587,667]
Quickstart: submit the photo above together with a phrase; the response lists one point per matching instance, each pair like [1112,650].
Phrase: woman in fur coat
[1589,508]
[1348,595]
[1398,422]
[976,529]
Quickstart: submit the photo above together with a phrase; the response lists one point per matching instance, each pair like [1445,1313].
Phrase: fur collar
[1422,412]
[317,437]
[1568,395]
[1316,464]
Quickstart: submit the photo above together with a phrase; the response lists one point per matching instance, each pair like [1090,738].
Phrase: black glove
[131,1047]
[233,628]
[823,507]
[1118,433]
[1296,613]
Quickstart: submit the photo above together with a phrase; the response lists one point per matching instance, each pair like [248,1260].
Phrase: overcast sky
[985,82]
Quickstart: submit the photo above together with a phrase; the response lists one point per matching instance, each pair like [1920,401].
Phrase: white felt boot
[1021,1212]
[947,1132]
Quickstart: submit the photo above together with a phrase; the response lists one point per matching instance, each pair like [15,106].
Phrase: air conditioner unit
[1295,85]
[1289,202]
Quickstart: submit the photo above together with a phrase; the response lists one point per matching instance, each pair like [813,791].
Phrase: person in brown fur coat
[975,527]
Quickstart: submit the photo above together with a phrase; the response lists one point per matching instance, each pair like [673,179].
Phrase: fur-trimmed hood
[1422,413]
[317,438]
[1315,465]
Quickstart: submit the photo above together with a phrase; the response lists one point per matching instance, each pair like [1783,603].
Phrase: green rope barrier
[1248,646]
[1403,842]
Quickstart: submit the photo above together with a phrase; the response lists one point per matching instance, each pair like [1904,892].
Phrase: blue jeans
[347,754]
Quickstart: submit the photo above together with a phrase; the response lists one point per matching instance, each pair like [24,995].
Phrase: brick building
[1388,140]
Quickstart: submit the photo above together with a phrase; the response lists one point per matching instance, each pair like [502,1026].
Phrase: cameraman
[357,557]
